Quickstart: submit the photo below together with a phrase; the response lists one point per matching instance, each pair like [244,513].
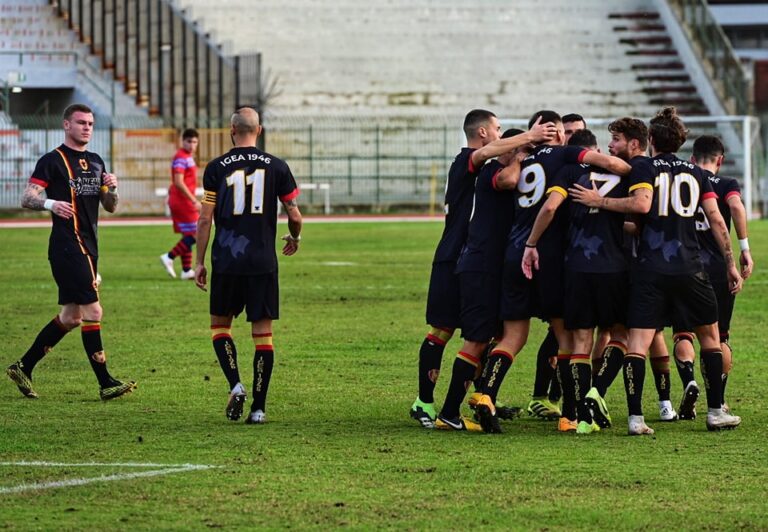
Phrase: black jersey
[711,256]
[537,178]
[244,184]
[75,177]
[458,206]
[489,222]
[668,242]
[595,236]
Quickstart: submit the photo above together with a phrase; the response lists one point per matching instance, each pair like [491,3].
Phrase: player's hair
[667,131]
[76,108]
[546,116]
[190,133]
[707,148]
[245,123]
[511,132]
[584,138]
[632,129]
[574,117]
[476,119]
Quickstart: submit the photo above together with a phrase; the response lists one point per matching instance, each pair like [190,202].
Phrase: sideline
[166,469]
[20,223]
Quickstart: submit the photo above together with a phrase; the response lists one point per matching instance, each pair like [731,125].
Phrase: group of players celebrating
[541,224]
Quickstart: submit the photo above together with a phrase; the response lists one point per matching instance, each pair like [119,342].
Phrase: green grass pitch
[339,448]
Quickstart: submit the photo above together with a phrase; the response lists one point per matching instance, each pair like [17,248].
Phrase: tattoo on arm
[32,199]
[109,200]
[291,203]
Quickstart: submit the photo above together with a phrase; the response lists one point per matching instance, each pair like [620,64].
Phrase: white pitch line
[104,478]
[101,464]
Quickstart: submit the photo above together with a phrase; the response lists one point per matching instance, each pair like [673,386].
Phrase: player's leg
[546,387]
[465,365]
[263,362]
[712,372]
[634,377]
[725,304]
[659,355]
[602,338]
[685,354]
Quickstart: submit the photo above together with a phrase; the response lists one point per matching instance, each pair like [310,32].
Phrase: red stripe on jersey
[290,195]
[731,194]
[582,155]
[470,164]
[38,182]
[708,195]
[493,180]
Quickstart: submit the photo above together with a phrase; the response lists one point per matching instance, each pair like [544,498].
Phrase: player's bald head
[245,121]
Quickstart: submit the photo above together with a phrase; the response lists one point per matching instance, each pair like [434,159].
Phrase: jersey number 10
[670,194]
[238,181]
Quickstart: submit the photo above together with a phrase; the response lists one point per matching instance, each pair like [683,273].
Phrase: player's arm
[614,165]
[739,215]
[178,182]
[108,192]
[547,213]
[638,202]
[723,238]
[295,223]
[538,133]
[32,198]
[508,177]
[203,235]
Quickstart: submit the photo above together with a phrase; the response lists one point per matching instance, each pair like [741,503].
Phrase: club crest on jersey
[83,164]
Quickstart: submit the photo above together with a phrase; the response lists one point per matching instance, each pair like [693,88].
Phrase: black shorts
[75,275]
[540,297]
[595,299]
[443,301]
[258,294]
[479,306]
[688,299]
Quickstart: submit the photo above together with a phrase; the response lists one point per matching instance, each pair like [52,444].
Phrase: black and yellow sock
[226,353]
[660,369]
[684,367]
[499,362]
[47,338]
[725,381]
[91,333]
[613,361]
[263,361]
[464,366]
[634,377]
[712,371]
[581,373]
[567,384]
[430,359]
[544,372]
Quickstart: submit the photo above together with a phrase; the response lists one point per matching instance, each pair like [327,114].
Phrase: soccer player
[542,297]
[483,132]
[75,181]
[479,271]
[184,206]
[241,192]
[596,268]
[668,273]
[572,123]
[708,154]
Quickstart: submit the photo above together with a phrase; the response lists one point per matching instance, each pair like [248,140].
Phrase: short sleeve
[706,187]
[574,154]
[286,188]
[732,189]
[642,176]
[44,171]
[210,185]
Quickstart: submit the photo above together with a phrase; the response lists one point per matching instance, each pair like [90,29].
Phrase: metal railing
[716,51]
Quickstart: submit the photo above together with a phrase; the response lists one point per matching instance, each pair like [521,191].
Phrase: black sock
[712,371]
[555,391]
[482,369]
[613,361]
[725,381]
[464,367]
[634,376]
[430,358]
[581,373]
[91,333]
[685,370]
[226,353]
[597,363]
[544,372]
[499,362]
[47,338]
[567,384]
[660,369]
[263,361]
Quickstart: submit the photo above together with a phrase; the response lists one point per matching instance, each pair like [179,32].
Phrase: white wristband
[48,204]
[744,244]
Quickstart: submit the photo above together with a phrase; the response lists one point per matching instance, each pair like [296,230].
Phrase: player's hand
[746,264]
[63,209]
[735,282]
[542,132]
[198,206]
[109,180]
[291,244]
[201,277]
[586,196]
[530,262]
